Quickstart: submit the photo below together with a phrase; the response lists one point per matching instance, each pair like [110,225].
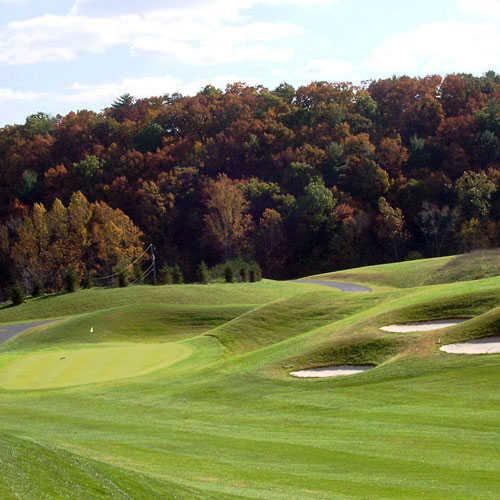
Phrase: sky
[63,55]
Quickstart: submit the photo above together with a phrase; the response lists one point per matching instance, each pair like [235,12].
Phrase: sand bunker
[487,345]
[331,371]
[422,326]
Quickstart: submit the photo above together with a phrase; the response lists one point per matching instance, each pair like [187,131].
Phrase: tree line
[322,177]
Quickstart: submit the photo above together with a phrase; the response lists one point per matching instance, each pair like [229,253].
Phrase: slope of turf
[136,323]
[225,419]
[32,470]
[476,265]
[284,318]
[97,299]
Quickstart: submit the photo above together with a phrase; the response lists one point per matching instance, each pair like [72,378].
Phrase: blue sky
[61,55]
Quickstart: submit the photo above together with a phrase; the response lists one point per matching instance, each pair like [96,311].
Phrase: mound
[408,274]
[283,319]
[136,323]
[96,299]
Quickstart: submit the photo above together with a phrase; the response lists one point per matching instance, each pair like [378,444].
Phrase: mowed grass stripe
[228,420]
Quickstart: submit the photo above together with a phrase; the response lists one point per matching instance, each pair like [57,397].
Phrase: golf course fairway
[184,391]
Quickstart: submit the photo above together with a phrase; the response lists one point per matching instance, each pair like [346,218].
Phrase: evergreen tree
[177,276]
[17,294]
[243,274]
[203,275]
[71,281]
[228,274]
[166,275]
[37,288]
[123,279]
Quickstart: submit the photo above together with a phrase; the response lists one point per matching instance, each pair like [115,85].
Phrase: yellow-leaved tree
[84,237]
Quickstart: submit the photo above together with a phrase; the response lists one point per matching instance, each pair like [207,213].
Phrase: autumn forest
[322,177]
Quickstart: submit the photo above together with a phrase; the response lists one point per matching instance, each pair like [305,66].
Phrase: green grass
[97,299]
[65,367]
[184,391]
[476,265]
[136,323]
[285,318]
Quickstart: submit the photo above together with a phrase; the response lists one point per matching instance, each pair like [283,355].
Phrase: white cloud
[111,7]
[138,87]
[484,8]
[439,48]
[104,93]
[329,70]
[199,32]
[18,104]
[18,95]
[96,96]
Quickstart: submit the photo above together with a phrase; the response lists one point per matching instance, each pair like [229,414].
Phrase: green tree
[203,275]
[271,242]
[71,281]
[317,203]
[166,275]
[39,123]
[437,224]
[149,138]
[390,226]
[177,276]
[90,167]
[228,274]
[475,191]
[17,295]
[30,179]
[243,275]
[123,279]
[37,288]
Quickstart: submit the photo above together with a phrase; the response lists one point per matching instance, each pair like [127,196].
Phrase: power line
[153,258]
[144,275]
[147,249]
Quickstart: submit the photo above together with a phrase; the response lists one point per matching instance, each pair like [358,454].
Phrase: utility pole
[153,260]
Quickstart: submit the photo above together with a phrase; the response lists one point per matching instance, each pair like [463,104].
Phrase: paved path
[9,331]
[345,287]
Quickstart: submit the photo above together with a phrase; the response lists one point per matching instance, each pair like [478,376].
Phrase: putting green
[86,365]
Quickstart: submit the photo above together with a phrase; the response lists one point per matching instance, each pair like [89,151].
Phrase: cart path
[9,331]
[345,287]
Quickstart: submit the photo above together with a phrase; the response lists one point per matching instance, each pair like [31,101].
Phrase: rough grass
[229,422]
[486,325]
[95,299]
[285,318]
[472,266]
[136,323]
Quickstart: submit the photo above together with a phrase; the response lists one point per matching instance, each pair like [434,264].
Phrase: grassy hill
[472,266]
[184,391]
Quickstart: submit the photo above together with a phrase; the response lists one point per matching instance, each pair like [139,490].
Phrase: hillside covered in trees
[304,180]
